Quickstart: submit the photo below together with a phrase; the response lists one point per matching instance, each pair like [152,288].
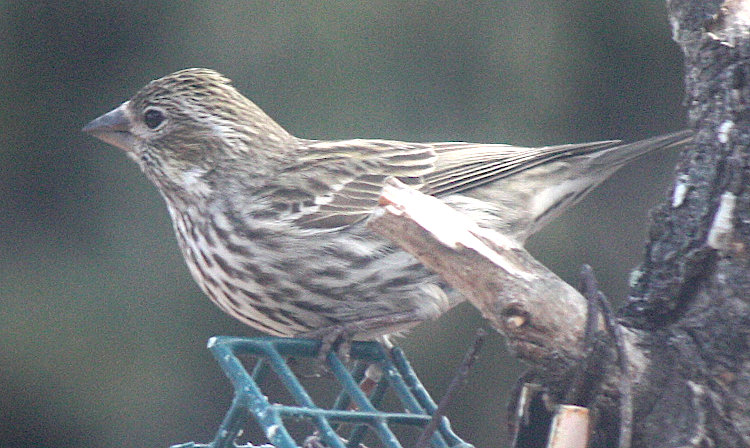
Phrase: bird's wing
[345,177]
[463,166]
[342,180]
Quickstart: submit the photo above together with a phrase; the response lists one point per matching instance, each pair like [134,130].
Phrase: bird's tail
[621,154]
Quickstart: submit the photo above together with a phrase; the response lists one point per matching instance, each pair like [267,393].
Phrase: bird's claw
[339,338]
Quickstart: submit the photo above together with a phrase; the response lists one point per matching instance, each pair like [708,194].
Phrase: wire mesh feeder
[362,418]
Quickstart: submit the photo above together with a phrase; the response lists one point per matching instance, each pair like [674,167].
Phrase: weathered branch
[543,317]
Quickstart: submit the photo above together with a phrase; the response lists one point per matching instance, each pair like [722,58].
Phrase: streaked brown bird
[272,225]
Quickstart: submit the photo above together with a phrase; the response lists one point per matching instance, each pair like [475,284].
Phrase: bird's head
[184,126]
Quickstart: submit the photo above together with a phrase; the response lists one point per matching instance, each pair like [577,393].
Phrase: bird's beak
[113,128]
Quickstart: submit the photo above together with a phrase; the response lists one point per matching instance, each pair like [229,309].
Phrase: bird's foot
[340,336]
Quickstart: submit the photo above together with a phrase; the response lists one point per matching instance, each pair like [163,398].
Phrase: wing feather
[344,178]
[354,172]
[463,166]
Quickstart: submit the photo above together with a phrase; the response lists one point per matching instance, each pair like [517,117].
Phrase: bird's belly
[286,286]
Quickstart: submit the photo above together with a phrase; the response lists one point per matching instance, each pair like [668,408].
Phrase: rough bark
[686,325]
[692,299]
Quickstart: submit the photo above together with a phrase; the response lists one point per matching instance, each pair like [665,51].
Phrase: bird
[272,226]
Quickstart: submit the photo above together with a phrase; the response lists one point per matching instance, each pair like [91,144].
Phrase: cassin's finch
[272,226]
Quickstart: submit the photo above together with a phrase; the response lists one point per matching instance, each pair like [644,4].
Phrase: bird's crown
[192,85]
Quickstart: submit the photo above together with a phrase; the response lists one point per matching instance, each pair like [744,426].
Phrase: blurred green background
[103,331]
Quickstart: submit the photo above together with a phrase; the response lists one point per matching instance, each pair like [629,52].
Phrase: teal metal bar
[250,400]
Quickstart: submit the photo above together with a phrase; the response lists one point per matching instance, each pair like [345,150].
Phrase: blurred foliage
[103,330]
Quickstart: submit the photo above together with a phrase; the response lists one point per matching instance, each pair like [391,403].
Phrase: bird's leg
[340,335]
[343,334]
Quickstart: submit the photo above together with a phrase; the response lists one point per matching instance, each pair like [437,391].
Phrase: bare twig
[458,380]
[578,387]
[591,290]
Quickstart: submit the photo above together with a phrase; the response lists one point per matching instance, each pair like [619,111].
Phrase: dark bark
[692,299]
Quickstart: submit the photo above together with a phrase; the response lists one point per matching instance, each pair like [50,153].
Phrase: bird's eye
[153,118]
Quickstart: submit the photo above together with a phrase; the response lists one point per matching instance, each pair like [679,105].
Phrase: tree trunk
[693,294]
